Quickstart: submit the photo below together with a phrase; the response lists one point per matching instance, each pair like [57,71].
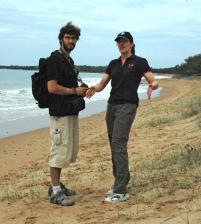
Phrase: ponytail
[133,49]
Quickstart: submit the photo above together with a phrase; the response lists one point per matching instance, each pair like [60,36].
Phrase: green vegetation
[157,121]
[81,68]
[183,109]
[193,107]
[179,170]
[191,67]
[30,185]
[18,67]
[87,68]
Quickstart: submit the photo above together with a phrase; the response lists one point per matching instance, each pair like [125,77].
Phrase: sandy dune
[158,195]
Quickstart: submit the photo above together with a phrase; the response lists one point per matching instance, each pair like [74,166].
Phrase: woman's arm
[153,84]
[99,86]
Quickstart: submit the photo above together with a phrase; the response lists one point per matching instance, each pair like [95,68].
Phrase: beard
[68,47]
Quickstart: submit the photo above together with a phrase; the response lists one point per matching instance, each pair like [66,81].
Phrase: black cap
[124,35]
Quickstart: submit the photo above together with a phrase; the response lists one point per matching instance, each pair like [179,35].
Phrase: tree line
[191,66]
[81,68]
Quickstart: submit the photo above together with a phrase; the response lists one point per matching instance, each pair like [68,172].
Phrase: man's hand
[90,92]
[81,91]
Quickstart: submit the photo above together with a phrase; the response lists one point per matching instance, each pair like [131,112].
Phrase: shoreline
[27,124]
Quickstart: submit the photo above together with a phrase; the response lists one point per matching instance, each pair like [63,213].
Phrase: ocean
[18,107]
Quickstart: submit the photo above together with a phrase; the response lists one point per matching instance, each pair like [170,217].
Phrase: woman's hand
[90,92]
[149,91]
[153,84]
[81,91]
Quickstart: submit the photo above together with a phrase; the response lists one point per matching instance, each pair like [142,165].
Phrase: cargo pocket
[57,136]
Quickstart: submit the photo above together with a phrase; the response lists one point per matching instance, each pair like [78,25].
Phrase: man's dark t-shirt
[125,79]
[61,70]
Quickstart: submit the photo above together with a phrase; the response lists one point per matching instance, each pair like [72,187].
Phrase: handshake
[82,83]
[81,90]
[84,89]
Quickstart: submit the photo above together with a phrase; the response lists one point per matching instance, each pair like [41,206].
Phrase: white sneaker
[110,192]
[117,198]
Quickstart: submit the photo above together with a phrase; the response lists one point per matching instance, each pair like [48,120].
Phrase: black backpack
[39,84]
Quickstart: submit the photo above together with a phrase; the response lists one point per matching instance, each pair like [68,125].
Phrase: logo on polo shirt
[130,65]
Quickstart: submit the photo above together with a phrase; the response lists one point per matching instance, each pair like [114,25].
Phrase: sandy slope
[25,156]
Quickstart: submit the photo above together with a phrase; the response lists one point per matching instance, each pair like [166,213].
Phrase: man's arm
[55,88]
[153,84]
[99,86]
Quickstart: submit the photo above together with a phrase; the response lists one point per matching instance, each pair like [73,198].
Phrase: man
[62,86]
[125,74]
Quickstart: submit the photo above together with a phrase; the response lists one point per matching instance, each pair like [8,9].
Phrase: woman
[125,74]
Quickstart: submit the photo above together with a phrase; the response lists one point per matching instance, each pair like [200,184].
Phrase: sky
[165,31]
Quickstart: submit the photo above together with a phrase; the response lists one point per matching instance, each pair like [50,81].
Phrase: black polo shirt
[61,70]
[125,79]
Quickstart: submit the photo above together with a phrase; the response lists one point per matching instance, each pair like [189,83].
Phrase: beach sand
[157,195]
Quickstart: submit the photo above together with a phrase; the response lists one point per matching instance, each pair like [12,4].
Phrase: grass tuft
[30,185]
[179,170]
[193,107]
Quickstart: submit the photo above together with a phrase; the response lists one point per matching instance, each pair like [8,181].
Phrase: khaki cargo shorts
[64,132]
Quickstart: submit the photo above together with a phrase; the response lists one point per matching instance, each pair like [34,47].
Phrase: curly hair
[71,29]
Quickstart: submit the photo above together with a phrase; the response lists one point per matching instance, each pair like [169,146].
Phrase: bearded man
[64,131]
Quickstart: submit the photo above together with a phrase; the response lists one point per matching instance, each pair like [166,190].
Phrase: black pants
[119,119]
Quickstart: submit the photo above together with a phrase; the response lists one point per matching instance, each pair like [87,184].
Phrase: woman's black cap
[124,35]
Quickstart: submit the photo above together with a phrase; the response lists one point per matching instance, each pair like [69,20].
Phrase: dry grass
[29,184]
[180,170]
[165,168]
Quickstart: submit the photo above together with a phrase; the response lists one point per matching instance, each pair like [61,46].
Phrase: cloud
[100,21]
